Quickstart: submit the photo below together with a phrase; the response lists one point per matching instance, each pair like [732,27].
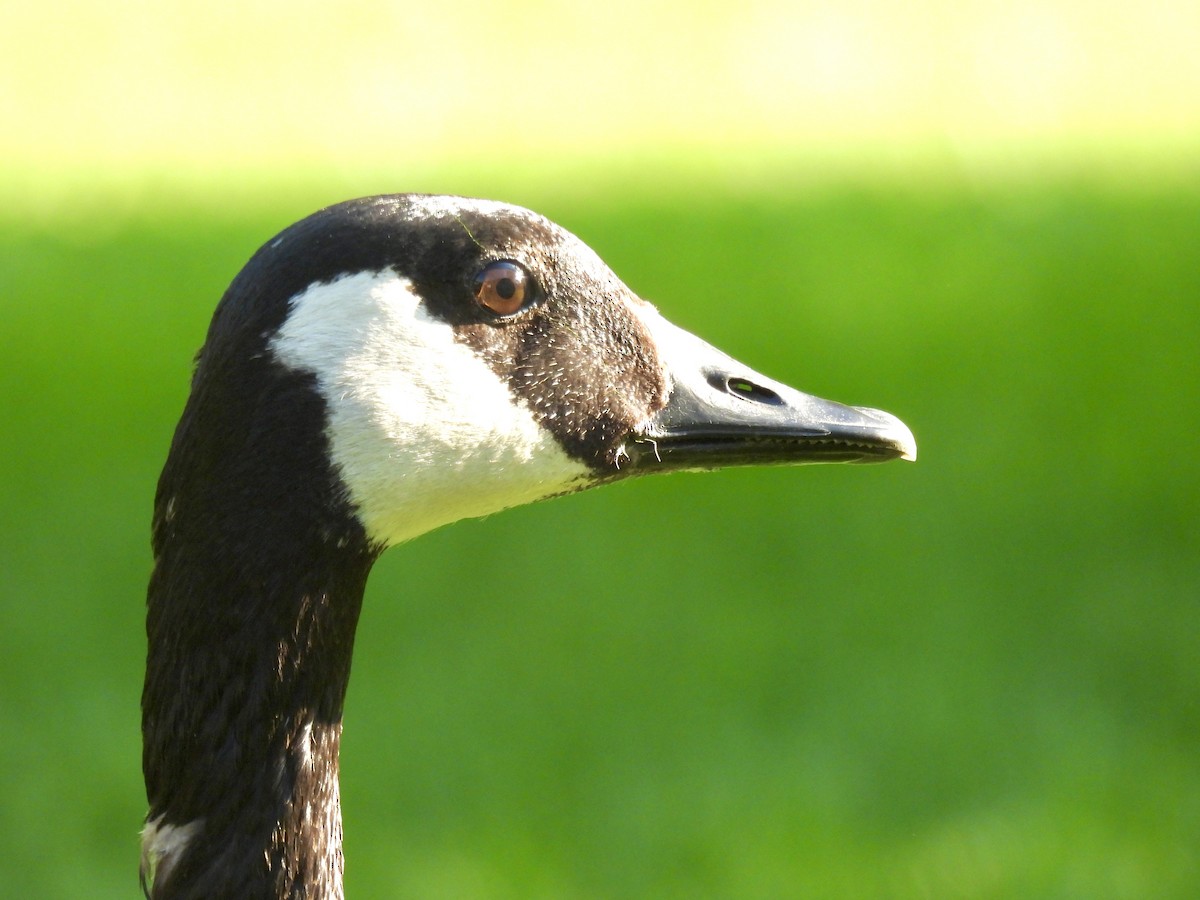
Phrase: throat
[246,676]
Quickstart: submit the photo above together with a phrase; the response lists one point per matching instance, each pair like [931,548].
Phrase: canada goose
[383,367]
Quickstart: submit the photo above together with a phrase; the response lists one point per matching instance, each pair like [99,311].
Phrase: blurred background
[977,676]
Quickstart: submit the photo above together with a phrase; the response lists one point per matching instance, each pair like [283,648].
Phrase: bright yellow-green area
[132,93]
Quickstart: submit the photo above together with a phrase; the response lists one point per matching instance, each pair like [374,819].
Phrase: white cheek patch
[421,430]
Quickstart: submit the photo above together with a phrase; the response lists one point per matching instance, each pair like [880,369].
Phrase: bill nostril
[744,388]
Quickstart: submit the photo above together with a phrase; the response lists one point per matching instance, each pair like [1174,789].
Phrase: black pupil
[506,287]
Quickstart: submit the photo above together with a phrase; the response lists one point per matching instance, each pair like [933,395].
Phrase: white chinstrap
[422,431]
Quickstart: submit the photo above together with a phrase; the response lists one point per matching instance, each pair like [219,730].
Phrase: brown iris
[503,287]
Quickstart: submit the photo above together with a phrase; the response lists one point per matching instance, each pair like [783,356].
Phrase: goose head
[380,369]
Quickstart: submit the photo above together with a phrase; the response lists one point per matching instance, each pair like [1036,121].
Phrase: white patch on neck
[162,846]
[421,430]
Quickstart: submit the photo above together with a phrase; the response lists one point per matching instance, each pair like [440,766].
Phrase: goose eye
[503,287]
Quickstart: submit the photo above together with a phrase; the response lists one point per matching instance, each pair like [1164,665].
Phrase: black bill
[721,413]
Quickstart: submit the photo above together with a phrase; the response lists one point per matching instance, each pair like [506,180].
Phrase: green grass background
[976,676]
